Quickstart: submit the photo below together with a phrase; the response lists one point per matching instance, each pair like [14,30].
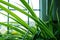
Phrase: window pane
[16,3]
[34,4]
[2,17]
[37,13]
[31,22]
[6,0]
[3,29]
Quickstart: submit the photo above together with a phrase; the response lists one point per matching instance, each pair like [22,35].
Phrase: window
[32,3]
[35,4]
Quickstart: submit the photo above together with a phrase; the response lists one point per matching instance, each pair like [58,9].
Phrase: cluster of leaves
[40,30]
[9,37]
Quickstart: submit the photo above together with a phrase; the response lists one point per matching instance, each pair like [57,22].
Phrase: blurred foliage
[41,31]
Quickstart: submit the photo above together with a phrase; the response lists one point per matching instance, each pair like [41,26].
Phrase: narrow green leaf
[13,19]
[28,7]
[17,18]
[12,27]
[20,10]
[41,25]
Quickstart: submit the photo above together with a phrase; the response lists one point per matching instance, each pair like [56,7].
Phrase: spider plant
[32,33]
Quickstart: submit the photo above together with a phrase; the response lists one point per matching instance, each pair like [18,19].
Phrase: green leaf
[17,18]
[12,27]
[29,8]
[41,24]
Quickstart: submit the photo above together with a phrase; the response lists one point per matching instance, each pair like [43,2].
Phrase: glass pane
[6,0]
[3,29]
[2,17]
[37,13]
[34,4]
[31,22]
[16,3]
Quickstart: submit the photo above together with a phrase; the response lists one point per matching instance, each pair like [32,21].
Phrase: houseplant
[42,29]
